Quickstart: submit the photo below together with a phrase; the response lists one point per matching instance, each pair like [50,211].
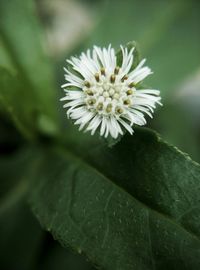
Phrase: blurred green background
[35,39]
[168,35]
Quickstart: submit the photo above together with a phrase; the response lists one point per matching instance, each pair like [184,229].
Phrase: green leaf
[20,34]
[5,58]
[135,206]
[19,103]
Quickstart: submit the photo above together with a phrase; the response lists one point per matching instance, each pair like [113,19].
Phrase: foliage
[132,206]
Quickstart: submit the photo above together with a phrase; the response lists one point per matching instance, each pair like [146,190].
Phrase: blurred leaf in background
[167,32]
[66,24]
[169,36]
[20,36]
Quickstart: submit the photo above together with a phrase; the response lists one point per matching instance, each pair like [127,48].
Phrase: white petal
[127,60]
[74,103]
[103,126]
[143,109]
[149,91]
[94,124]
[77,112]
[140,64]
[127,126]
[137,117]
[84,120]
[100,55]
[115,127]
[107,128]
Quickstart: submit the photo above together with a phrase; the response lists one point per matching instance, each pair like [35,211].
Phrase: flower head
[102,95]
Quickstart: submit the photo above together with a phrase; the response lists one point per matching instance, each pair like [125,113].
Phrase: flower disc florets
[106,95]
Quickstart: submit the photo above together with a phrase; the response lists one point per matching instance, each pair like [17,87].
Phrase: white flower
[100,95]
